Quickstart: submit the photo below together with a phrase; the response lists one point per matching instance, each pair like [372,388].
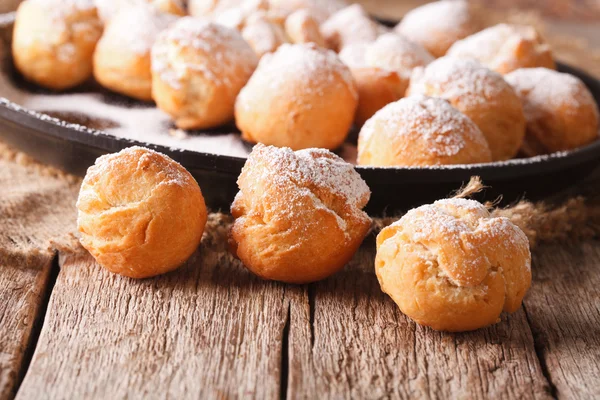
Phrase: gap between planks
[339,338]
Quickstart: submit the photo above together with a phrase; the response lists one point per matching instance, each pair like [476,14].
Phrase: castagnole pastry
[263,35]
[436,26]
[560,110]
[453,267]
[302,27]
[382,70]
[108,9]
[298,215]
[122,57]
[54,41]
[141,214]
[320,9]
[505,48]
[421,131]
[479,93]
[214,8]
[301,96]
[198,69]
[350,25]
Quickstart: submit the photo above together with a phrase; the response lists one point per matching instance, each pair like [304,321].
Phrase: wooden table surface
[69,329]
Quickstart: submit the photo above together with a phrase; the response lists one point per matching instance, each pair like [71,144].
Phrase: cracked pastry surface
[300,96]
[122,57]
[198,69]
[505,48]
[140,213]
[481,94]
[452,267]
[421,131]
[298,215]
[436,26]
[54,41]
[560,110]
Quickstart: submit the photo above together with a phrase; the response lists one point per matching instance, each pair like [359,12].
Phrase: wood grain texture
[563,308]
[208,330]
[22,292]
[357,344]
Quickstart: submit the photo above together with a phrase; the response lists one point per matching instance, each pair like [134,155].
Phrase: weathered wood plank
[563,308]
[208,330]
[357,344]
[23,285]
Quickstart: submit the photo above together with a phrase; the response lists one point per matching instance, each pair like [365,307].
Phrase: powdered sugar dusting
[427,119]
[315,173]
[546,89]
[390,52]
[222,49]
[488,45]
[174,173]
[351,25]
[463,80]
[444,15]
[136,27]
[316,67]
[466,242]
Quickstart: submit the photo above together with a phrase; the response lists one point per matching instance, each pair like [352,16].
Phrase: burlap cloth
[37,203]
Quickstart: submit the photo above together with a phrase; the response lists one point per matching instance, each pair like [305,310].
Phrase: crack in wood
[38,322]
[285,359]
[539,352]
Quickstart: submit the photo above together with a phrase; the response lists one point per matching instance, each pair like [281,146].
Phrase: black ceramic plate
[74,148]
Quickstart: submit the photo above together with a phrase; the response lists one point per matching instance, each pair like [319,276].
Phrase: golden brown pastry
[214,8]
[302,27]
[54,41]
[236,17]
[320,9]
[263,35]
[421,131]
[141,214]
[108,9]
[479,93]
[198,69]
[122,57]
[452,267]
[561,112]
[350,25]
[505,48]
[436,26]
[298,215]
[382,70]
[300,96]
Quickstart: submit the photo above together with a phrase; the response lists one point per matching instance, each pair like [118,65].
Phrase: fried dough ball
[122,57]
[505,48]
[263,35]
[108,9]
[54,40]
[436,26]
[298,215]
[382,71]
[479,93]
[301,96]
[560,110]
[350,25]
[453,267]
[421,131]
[302,27]
[198,69]
[141,214]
